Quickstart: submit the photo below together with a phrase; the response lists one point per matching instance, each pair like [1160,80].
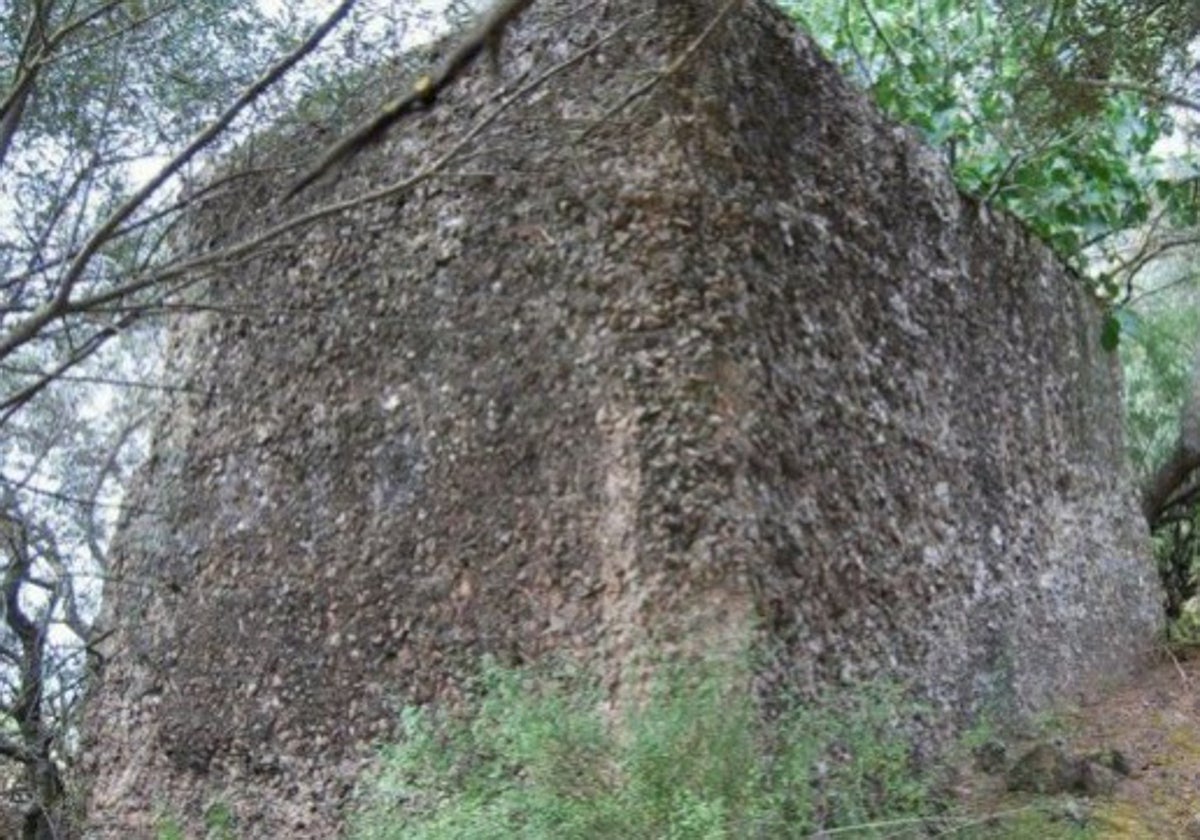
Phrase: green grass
[536,757]
[219,824]
[168,828]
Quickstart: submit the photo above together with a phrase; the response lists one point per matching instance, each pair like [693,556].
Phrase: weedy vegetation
[541,755]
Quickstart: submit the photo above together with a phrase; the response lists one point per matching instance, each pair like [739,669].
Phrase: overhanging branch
[487,34]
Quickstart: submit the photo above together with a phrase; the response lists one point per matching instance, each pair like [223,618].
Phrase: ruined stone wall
[733,360]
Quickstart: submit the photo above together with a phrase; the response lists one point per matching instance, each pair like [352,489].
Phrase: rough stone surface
[1051,769]
[735,359]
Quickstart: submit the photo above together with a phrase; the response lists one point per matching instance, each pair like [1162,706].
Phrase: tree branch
[29,329]
[1163,489]
[187,271]
[1159,493]
[672,68]
[488,33]
[1149,91]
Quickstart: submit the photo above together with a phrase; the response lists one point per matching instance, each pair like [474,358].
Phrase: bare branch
[142,222]
[1163,490]
[1149,91]
[30,328]
[186,269]
[116,382]
[12,110]
[670,70]
[12,404]
[488,33]
[115,34]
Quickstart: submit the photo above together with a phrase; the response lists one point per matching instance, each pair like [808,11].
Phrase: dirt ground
[1155,723]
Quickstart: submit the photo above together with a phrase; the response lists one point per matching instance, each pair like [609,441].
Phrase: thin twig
[670,70]
[887,43]
[954,826]
[157,215]
[252,246]
[61,304]
[1145,90]
[487,33]
[1187,683]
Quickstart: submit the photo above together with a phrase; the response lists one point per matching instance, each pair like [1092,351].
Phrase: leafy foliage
[1158,360]
[1047,111]
[533,755]
[1058,113]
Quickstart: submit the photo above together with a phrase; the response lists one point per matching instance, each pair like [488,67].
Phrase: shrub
[534,756]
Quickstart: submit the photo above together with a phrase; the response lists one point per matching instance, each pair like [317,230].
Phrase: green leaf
[1110,333]
[1130,322]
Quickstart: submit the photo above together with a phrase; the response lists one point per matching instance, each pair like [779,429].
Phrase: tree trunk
[1167,486]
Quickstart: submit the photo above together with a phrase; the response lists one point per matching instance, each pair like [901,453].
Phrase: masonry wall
[733,362]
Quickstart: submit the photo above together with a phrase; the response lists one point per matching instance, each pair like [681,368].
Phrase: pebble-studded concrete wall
[733,359]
